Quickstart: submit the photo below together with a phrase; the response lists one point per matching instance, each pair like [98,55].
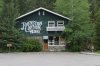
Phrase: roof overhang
[44,10]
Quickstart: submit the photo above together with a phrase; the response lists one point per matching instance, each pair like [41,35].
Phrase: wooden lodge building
[45,25]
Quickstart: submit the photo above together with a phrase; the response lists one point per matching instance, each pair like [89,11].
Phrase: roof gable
[44,10]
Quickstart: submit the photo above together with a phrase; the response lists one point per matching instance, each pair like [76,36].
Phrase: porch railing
[55,28]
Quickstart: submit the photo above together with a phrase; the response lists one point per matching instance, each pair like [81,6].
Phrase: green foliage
[64,7]
[79,30]
[14,38]
[49,4]
[97,36]
[98,51]
[8,15]
[8,33]
[74,47]
[95,18]
[1,5]
[30,45]
[25,6]
[9,10]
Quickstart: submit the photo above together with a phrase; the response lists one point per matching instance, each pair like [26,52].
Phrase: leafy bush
[30,45]
[74,47]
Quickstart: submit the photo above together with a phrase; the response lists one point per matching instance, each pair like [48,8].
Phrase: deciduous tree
[80,30]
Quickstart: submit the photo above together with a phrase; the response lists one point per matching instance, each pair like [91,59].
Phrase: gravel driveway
[48,59]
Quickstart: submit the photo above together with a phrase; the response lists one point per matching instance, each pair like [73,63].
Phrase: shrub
[73,48]
[30,45]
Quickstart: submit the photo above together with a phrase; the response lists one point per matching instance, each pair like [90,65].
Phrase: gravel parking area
[48,59]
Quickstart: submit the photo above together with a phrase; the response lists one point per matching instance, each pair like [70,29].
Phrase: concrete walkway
[48,59]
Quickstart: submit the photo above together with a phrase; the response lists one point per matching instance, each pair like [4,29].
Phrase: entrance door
[45,45]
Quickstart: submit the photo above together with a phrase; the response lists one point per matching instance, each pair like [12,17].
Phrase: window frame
[43,13]
[60,24]
[39,13]
[51,22]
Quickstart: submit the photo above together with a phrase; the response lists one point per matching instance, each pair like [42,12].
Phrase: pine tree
[8,33]
[25,6]
[1,2]
[49,4]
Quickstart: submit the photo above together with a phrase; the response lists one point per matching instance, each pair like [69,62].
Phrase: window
[51,23]
[60,23]
[53,40]
[43,13]
[39,13]
[56,39]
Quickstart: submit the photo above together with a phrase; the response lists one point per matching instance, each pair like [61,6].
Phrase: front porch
[54,43]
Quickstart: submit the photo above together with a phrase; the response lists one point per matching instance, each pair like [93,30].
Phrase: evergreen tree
[1,2]
[25,6]
[49,4]
[22,6]
[8,33]
[64,7]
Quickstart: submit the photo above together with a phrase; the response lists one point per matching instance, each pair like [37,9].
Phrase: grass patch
[98,51]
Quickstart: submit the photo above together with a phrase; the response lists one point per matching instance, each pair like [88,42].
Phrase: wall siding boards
[44,18]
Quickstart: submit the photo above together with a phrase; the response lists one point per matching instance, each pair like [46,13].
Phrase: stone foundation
[56,48]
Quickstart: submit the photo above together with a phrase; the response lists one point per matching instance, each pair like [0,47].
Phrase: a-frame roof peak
[44,10]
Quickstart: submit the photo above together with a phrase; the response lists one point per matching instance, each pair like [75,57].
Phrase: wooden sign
[9,45]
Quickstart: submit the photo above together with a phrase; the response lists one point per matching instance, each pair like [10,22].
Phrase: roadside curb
[90,53]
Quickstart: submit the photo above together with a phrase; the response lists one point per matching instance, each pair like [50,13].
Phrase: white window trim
[39,13]
[54,44]
[60,22]
[43,13]
[51,22]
